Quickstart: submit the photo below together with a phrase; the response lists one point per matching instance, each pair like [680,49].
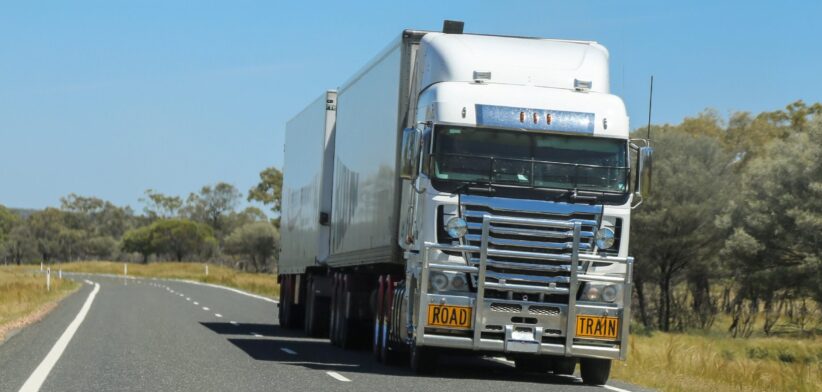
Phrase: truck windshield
[538,160]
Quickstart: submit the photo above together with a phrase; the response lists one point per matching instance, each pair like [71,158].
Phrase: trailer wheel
[312,314]
[423,359]
[285,301]
[563,366]
[595,371]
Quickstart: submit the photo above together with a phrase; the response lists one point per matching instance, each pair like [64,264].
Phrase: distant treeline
[734,225]
[207,225]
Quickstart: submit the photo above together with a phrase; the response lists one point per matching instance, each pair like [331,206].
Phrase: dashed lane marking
[615,388]
[232,322]
[217,315]
[338,376]
[288,351]
[256,335]
[196,303]
[206,308]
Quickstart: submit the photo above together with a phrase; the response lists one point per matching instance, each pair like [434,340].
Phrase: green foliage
[213,205]
[258,240]
[7,222]
[181,237]
[138,241]
[158,205]
[269,190]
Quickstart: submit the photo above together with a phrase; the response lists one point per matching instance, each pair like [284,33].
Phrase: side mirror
[643,177]
[410,154]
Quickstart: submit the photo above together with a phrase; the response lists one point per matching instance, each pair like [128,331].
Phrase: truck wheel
[423,359]
[563,366]
[311,317]
[285,301]
[595,371]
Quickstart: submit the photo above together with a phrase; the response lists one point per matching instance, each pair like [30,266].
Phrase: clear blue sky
[107,99]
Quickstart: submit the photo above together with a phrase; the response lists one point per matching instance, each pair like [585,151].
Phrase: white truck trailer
[466,194]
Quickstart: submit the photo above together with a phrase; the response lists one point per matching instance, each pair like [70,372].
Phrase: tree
[269,190]
[139,241]
[776,245]
[258,241]
[8,220]
[674,228]
[212,205]
[158,205]
[45,229]
[181,237]
[19,244]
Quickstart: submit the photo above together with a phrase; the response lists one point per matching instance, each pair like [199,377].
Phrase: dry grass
[262,284]
[681,362]
[23,295]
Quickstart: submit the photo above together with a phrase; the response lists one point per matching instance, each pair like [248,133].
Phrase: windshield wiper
[482,186]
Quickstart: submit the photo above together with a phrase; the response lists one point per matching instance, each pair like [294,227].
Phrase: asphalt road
[159,335]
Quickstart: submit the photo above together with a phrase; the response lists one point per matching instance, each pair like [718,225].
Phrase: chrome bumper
[551,327]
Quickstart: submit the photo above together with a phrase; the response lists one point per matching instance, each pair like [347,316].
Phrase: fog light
[458,282]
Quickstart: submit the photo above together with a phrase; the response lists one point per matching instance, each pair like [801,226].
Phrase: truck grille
[525,278]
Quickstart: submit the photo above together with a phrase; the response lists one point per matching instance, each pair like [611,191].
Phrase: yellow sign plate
[449,316]
[600,327]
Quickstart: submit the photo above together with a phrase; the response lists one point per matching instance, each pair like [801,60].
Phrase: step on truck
[466,193]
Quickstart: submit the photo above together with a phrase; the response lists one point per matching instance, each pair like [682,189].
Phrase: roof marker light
[548,118]
[582,85]
[521,116]
[536,118]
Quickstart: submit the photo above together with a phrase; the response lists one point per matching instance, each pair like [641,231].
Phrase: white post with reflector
[48,279]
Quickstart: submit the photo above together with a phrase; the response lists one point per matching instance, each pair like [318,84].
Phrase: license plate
[597,327]
[449,316]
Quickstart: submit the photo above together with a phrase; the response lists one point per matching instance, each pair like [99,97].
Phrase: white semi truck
[466,193]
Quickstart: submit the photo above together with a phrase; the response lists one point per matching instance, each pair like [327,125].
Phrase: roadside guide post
[125,273]
[48,279]
[60,273]
[206,268]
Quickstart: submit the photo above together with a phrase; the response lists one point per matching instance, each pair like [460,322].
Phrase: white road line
[88,282]
[288,351]
[256,335]
[615,388]
[218,315]
[232,322]
[188,298]
[35,381]
[196,303]
[338,376]
[247,294]
[206,308]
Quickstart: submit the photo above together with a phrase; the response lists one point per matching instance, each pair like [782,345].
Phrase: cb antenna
[650,107]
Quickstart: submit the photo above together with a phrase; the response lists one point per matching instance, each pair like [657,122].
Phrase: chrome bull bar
[578,266]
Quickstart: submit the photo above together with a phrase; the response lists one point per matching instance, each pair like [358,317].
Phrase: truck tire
[285,301]
[595,371]
[311,324]
[563,366]
[423,360]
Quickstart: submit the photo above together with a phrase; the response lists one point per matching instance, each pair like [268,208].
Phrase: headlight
[604,238]
[447,281]
[438,281]
[599,292]
[456,227]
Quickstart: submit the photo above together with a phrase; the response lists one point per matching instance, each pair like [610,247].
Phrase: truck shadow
[268,342]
